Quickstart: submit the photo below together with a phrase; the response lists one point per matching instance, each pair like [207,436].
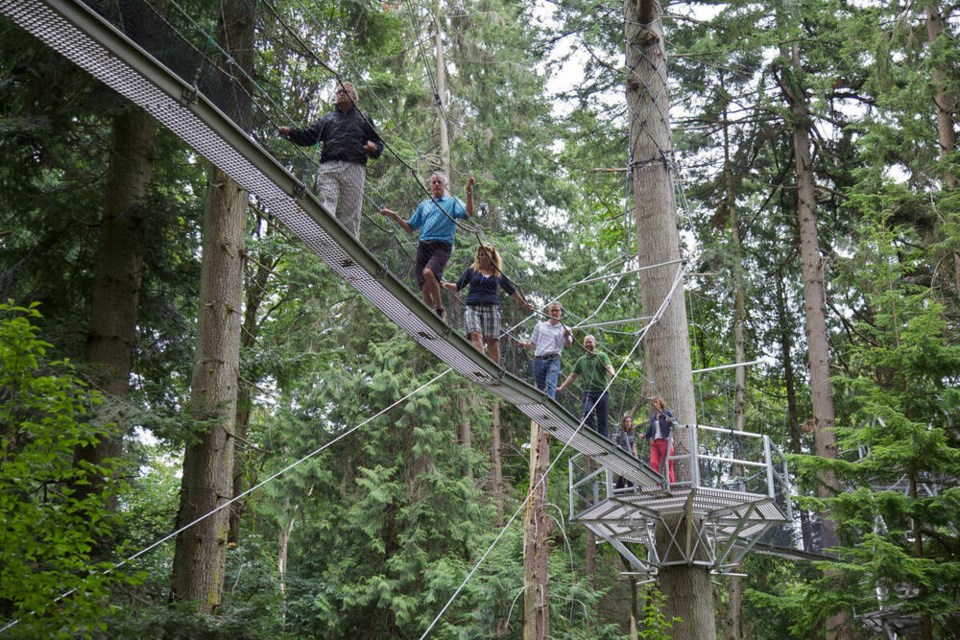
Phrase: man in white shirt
[548,340]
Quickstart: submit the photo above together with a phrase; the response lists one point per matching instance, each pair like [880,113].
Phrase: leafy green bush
[49,587]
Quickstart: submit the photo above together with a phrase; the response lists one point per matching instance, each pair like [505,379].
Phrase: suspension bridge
[731,481]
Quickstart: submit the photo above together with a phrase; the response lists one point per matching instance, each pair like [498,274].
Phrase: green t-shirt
[593,369]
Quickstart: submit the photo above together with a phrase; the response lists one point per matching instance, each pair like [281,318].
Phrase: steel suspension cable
[255,487]
[663,306]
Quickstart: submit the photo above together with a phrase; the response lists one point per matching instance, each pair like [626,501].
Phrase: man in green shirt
[596,369]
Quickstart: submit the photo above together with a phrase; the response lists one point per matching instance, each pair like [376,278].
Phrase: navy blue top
[342,134]
[660,424]
[483,289]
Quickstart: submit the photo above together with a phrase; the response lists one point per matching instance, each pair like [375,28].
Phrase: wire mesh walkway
[169,78]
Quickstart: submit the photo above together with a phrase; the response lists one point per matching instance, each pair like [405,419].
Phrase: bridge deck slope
[80,34]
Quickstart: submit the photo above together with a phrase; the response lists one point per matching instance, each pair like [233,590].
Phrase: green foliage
[398,501]
[655,625]
[49,579]
[900,404]
[379,530]
[777,601]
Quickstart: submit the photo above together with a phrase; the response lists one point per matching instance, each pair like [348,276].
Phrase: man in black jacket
[348,138]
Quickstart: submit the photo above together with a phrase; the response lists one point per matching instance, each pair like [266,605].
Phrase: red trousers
[658,452]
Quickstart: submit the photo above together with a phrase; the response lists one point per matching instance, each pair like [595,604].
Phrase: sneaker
[440,312]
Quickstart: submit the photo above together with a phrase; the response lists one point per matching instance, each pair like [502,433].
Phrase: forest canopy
[167,344]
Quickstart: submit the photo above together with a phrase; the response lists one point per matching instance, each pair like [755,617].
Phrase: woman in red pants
[658,433]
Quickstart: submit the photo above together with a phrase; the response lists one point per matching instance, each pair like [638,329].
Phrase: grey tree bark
[118,264]
[256,294]
[200,556]
[734,585]
[945,102]
[497,462]
[590,556]
[118,271]
[790,385]
[442,96]
[814,301]
[536,528]
[666,347]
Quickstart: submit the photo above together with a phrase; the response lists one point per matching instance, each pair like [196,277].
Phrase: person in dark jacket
[481,311]
[658,434]
[625,440]
[349,139]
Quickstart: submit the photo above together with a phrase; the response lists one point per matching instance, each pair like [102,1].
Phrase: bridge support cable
[556,458]
[614,323]
[254,488]
[629,272]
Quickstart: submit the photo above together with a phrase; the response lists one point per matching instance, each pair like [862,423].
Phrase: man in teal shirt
[436,219]
[596,369]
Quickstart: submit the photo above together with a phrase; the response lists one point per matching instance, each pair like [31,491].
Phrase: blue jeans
[596,419]
[545,375]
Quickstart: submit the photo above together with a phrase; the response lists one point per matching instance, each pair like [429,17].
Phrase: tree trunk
[536,528]
[590,555]
[249,332]
[200,557]
[731,624]
[118,272]
[790,385]
[465,432]
[441,98]
[734,586]
[814,300]
[282,554]
[685,586]
[634,599]
[942,99]
[945,105]
[666,347]
[814,291]
[496,455]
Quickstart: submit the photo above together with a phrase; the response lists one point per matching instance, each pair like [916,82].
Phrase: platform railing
[719,459]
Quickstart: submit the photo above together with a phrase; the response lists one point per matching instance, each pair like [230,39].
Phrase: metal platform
[83,36]
[731,489]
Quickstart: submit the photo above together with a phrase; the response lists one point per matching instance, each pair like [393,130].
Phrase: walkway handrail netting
[179,84]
